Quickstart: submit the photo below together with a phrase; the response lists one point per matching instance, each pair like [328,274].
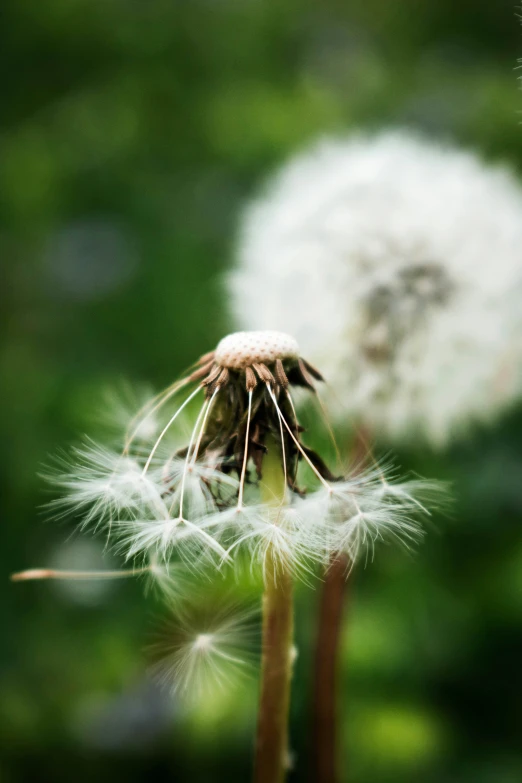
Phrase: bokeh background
[132,133]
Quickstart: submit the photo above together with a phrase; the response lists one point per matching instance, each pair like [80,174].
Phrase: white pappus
[203,504]
[397,264]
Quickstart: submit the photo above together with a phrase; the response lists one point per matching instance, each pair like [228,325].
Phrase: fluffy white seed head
[242,349]
[205,505]
[181,510]
[397,264]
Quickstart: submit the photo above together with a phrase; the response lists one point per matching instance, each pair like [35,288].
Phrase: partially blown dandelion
[238,486]
[202,502]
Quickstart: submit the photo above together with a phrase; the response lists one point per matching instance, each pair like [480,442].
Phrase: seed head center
[243,349]
[203,642]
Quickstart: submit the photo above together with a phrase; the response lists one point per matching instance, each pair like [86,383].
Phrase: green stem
[276,660]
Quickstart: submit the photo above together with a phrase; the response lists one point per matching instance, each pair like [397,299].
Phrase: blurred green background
[132,132]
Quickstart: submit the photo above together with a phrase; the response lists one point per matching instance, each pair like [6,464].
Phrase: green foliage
[145,125]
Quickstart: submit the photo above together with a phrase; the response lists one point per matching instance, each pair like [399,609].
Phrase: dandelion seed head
[396,264]
[207,502]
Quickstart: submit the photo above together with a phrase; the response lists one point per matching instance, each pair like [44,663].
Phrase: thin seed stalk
[276,660]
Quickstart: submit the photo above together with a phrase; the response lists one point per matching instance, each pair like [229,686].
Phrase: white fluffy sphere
[397,264]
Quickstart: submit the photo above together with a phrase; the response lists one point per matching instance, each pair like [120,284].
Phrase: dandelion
[397,263]
[237,488]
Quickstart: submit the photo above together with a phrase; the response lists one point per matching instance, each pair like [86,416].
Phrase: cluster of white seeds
[396,263]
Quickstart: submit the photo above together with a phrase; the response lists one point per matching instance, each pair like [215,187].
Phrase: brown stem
[276,671]
[50,573]
[326,686]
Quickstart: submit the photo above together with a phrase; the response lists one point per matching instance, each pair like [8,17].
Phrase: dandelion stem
[326,687]
[276,661]
[325,712]
[50,573]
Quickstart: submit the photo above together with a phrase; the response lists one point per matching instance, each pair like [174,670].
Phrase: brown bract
[244,414]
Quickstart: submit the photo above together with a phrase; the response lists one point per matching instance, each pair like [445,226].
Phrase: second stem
[327,685]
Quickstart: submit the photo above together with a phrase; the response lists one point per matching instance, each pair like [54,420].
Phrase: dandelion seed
[201,650]
[122,406]
[101,484]
[170,580]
